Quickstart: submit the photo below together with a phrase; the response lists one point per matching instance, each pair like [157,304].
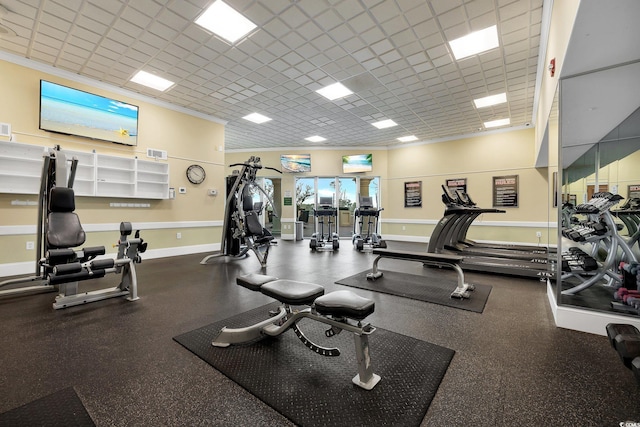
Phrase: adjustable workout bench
[342,310]
[461,291]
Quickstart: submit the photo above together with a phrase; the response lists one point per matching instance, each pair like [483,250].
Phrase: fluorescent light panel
[408,138]
[474,43]
[496,123]
[224,21]
[315,138]
[383,124]
[256,118]
[334,91]
[488,101]
[152,81]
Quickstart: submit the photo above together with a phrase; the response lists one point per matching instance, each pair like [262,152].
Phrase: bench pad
[292,292]
[345,303]
[254,281]
[418,256]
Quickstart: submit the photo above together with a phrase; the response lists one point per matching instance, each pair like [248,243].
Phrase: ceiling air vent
[157,154]
[5,129]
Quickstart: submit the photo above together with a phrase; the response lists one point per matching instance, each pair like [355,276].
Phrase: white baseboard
[592,322]
[28,267]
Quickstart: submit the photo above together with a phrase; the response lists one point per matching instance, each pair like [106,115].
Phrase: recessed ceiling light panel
[497,123]
[315,138]
[256,118]
[408,138]
[334,91]
[152,81]
[474,43]
[224,21]
[488,101]
[383,124]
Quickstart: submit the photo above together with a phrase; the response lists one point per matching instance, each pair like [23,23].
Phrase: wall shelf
[97,175]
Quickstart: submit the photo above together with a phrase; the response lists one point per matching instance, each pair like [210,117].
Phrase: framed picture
[413,194]
[505,191]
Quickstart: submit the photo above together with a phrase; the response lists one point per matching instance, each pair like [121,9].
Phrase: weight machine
[58,265]
[242,231]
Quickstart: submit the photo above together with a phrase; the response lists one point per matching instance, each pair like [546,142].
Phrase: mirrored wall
[599,125]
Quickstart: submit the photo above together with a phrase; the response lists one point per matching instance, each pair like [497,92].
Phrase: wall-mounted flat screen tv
[295,162]
[357,163]
[75,112]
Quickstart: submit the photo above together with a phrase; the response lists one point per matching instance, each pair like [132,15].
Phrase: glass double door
[343,192]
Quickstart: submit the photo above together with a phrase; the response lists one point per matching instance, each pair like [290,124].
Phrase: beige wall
[187,139]
[563,16]
[477,159]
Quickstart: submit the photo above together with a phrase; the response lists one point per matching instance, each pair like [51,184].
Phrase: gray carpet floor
[512,366]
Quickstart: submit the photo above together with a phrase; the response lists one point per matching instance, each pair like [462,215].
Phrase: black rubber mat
[62,408]
[429,288]
[313,390]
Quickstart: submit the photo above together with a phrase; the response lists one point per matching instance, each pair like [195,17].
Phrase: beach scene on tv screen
[296,162]
[357,163]
[75,112]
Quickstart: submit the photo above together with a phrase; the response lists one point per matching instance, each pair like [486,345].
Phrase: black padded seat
[63,225]
[254,281]
[345,304]
[292,292]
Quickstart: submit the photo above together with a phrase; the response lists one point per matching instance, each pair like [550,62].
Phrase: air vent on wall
[5,129]
[157,154]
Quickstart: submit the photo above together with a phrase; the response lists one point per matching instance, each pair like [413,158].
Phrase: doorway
[345,193]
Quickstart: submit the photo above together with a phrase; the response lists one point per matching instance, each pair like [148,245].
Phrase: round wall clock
[196,174]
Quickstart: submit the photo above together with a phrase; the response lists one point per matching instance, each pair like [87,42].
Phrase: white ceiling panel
[394,54]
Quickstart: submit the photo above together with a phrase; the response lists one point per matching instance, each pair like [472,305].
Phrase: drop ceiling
[393,54]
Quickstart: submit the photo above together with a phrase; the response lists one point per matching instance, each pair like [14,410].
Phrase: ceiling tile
[393,51]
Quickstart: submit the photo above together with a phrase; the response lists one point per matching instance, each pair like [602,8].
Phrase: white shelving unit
[152,179]
[115,176]
[20,167]
[97,175]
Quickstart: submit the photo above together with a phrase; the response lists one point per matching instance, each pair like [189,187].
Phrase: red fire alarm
[552,67]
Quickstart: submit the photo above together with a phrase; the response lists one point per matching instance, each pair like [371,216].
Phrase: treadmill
[446,239]
[462,239]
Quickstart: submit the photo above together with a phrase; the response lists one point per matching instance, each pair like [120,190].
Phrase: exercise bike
[368,237]
[242,230]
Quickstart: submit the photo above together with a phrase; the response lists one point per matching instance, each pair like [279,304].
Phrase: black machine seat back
[247,199]
[63,225]
[251,214]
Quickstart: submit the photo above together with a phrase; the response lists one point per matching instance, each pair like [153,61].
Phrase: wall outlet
[404,228]
[178,235]
[182,190]
[538,234]
[30,246]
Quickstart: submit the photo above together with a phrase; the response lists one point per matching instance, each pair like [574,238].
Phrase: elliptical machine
[242,231]
[325,212]
[367,238]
